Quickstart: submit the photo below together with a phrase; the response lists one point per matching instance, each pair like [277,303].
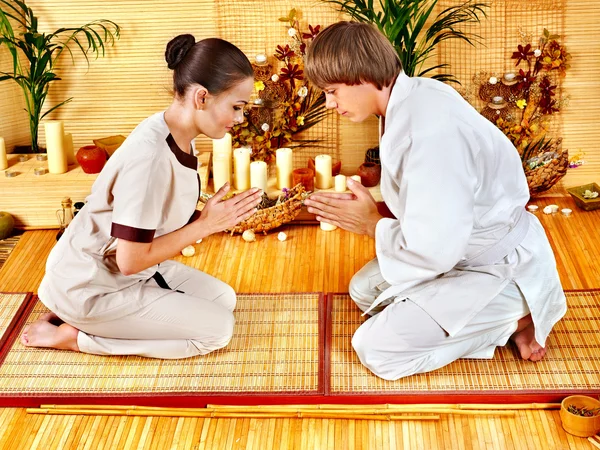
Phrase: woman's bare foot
[524,339]
[43,333]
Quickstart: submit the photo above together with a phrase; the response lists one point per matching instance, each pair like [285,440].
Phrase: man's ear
[200,96]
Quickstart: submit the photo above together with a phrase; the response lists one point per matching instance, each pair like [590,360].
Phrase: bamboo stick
[416,409]
[594,440]
[216,414]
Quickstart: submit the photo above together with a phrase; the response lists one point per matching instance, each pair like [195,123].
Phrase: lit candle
[3,158]
[340,183]
[356,178]
[241,168]
[258,175]
[284,167]
[221,161]
[55,147]
[260,59]
[323,169]
[69,149]
[221,168]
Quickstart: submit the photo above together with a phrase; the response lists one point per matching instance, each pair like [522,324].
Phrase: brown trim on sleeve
[185,159]
[131,234]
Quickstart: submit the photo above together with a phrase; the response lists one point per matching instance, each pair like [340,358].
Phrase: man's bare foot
[42,333]
[524,339]
[52,318]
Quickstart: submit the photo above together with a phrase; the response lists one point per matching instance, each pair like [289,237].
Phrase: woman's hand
[219,214]
[356,212]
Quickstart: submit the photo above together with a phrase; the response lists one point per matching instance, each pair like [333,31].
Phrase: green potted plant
[41,50]
[407,24]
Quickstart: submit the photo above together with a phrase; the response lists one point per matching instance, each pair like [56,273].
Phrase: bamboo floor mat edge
[22,311]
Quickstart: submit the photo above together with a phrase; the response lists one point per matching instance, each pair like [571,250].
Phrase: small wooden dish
[579,425]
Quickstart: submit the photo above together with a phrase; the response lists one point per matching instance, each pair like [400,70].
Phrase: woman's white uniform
[463,261]
[148,188]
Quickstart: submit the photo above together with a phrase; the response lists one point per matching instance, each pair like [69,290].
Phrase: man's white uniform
[147,189]
[463,261]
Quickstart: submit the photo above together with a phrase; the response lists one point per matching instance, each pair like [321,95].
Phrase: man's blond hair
[352,53]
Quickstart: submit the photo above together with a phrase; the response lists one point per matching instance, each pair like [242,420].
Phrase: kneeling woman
[109,279]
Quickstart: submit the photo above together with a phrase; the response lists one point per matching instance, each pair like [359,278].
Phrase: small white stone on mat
[188,251]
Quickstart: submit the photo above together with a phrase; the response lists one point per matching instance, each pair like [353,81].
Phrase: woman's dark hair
[214,63]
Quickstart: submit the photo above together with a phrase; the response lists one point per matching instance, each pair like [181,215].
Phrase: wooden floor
[310,260]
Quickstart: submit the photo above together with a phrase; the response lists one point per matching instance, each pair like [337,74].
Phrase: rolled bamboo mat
[572,360]
[6,247]
[275,348]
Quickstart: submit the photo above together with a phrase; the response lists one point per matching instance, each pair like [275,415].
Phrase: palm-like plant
[404,23]
[42,50]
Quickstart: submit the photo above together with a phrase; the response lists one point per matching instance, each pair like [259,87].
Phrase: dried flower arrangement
[523,106]
[286,104]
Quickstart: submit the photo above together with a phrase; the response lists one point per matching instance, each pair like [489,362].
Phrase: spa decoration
[370,174]
[90,158]
[271,213]
[188,251]
[281,236]
[55,147]
[3,158]
[249,236]
[523,104]
[34,55]
[285,105]
[221,161]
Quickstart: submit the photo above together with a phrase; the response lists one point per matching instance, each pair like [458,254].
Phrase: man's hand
[355,212]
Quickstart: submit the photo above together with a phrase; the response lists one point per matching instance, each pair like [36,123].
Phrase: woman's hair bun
[177,48]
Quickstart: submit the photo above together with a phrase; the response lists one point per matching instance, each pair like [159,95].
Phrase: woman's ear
[200,96]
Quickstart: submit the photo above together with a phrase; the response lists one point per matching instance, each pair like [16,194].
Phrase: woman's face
[226,109]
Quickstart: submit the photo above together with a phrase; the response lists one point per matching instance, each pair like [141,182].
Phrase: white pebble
[249,236]
[554,208]
[548,210]
[532,208]
[198,241]
[188,251]
[282,236]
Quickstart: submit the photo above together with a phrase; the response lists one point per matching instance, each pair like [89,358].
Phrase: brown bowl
[579,425]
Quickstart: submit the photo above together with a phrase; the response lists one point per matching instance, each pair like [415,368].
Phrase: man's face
[356,102]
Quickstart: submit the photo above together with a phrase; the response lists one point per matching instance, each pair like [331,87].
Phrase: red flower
[282,53]
[303,48]
[548,106]
[546,88]
[313,32]
[525,80]
[522,54]
[291,73]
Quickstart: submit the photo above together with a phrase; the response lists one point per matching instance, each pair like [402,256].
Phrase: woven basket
[267,218]
[544,177]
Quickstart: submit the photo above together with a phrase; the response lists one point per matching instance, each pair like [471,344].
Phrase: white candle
[509,76]
[284,159]
[55,147]
[340,183]
[3,159]
[222,145]
[260,59]
[221,161]
[323,169]
[258,175]
[356,178]
[241,168]
[221,168]
[327,226]
[69,149]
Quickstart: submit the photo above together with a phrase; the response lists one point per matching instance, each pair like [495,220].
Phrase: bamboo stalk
[594,440]
[216,414]
[460,406]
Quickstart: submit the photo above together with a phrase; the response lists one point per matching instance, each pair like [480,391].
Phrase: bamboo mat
[275,349]
[6,247]
[11,306]
[572,361]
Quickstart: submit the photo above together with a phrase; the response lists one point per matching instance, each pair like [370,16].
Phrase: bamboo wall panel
[132,81]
